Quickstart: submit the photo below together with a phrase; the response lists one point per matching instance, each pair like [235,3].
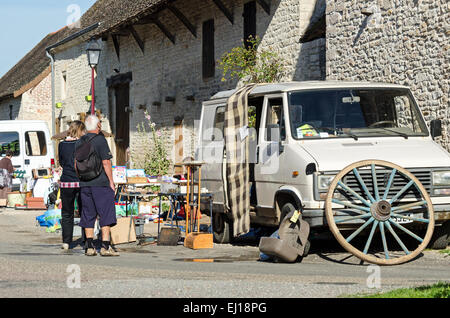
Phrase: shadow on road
[328,248]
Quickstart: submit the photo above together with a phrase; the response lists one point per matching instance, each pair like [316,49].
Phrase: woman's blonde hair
[76,129]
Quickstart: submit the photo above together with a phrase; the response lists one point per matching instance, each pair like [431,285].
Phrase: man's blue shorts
[97,201]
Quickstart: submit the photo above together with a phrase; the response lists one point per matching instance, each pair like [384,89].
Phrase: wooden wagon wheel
[370,203]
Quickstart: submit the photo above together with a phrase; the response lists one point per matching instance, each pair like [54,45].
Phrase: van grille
[382,179]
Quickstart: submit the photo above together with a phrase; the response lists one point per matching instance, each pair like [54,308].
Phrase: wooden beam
[154,20]
[115,40]
[183,19]
[265,4]
[164,30]
[123,32]
[137,38]
[224,10]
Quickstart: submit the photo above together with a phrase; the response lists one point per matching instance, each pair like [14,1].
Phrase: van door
[10,140]
[271,157]
[211,150]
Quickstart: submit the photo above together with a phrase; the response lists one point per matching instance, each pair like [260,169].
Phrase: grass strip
[438,290]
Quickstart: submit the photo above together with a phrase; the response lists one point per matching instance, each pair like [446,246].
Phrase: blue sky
[24,23]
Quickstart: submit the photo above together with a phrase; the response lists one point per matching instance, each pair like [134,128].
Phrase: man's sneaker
[90,252]
[108,252]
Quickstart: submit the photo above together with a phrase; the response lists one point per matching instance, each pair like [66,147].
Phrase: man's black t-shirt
[101,147]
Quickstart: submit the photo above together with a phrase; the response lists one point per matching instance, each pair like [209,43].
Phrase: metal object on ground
[383,211]
[169,236]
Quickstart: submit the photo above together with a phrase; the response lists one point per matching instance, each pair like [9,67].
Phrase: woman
[6,171]
[69,182]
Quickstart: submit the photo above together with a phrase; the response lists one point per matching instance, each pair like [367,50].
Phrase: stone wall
[72,63]
[401,41]
[175,70]
[34,104]
[5,108]
[37,101]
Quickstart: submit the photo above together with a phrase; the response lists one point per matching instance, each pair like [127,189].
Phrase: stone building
[25,90]
[160,56]
[403,41]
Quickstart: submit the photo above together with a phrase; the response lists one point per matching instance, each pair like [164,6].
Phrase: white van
[31,144]
[357,158]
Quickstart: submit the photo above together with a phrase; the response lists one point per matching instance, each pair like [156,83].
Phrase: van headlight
[324,181]
[441,178]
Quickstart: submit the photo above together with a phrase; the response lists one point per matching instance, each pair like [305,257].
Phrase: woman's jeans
[68,196]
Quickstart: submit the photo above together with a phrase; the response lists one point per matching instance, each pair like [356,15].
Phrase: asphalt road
[33,265]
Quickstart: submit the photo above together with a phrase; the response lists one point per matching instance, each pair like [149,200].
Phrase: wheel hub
[381,210]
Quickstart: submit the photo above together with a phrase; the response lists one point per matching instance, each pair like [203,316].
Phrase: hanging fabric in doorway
[236,179]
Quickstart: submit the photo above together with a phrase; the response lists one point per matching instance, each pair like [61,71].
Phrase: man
[97,195]
[6,171]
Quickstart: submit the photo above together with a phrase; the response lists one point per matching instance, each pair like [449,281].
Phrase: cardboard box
[35,204]
[124,231]
[145,207]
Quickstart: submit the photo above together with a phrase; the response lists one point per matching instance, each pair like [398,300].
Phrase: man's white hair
[91,122]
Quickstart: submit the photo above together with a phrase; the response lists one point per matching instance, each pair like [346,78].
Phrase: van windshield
[354,113]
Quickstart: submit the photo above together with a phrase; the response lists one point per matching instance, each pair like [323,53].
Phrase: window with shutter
[249,21]
[208,61]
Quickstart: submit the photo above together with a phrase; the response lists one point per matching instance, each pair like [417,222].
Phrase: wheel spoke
[352,218]
[406,207]
[369,240]
[383,238]
[351,237]
[346,188]
[399,241]
[406,231]
[375,183]
[363,185]
[410,218]
[351,205]
[406,187]
[391,178]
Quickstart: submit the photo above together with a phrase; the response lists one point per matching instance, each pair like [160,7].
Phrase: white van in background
[31,144]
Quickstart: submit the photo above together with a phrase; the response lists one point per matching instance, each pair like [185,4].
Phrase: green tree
[251,64]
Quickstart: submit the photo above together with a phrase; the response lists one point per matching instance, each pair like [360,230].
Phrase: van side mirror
[436,128]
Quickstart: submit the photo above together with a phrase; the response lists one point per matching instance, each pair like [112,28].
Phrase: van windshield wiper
[340,132]
[353,136]
[396,132]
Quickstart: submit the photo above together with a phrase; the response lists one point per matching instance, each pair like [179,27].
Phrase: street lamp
[93,52]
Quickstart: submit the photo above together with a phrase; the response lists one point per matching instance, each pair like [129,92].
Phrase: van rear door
[210,151]
[10,139]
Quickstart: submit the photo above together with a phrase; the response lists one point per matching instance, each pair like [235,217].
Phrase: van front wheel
[222,228]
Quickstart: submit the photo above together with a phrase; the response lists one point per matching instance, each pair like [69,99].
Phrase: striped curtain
[236,179]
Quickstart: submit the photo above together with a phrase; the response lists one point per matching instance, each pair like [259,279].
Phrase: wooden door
[122,123]
[178,146]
